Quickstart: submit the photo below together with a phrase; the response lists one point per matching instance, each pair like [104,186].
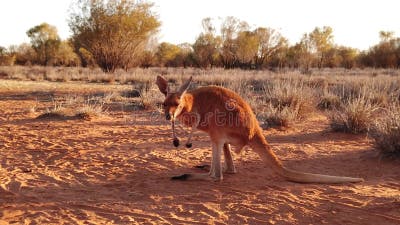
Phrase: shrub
[7,60]
[288,101]
[126,25]
[386,132]
[354,116]
[275,116]
[58,111]
[150,97]
[329,101]
[74,108]
[89,111]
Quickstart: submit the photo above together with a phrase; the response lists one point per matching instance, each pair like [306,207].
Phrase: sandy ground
[116,170]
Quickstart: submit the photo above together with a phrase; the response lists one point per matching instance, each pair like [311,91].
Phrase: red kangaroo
[228,120]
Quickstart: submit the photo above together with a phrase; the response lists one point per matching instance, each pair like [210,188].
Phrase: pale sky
[355,23]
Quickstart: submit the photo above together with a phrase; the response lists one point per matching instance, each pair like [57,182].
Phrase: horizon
[353,26]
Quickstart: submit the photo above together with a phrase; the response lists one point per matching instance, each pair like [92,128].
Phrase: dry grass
[356,101]
[386,132]
[329,101]
[74,107]
[150,96]
[278,116]
[283,98]
[355,116]
[288,101]
[91,109]
[14,86]
[58,111]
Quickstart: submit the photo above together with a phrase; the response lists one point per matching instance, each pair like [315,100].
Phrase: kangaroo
[228,120]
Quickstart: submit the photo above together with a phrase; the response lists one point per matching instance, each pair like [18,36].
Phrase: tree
[45,41]
[230,29]
[115,32]
[6,58]
[270,42]
[304,52]
[322,41]
[86,58]
[386,36]
[398,53]
[66,56]
[247,48]
[205,50]
[207,45]
[24,54]
[148,59]
[186,55]
[280,57]
[385,54]
[348,57]
[167,53]
[387,51]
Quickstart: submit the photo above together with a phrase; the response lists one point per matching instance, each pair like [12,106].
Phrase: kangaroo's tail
[262,148]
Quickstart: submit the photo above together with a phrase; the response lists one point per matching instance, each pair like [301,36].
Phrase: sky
[355,23]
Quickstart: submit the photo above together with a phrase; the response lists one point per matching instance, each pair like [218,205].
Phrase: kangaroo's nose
[167,116]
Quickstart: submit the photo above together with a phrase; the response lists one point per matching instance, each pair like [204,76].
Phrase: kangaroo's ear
[162,85]
[184,87]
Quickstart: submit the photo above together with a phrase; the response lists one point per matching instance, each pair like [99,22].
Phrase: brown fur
[229,120]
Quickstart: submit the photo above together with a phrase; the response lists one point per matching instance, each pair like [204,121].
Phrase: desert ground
[116,169]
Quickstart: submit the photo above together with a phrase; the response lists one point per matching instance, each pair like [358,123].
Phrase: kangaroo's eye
[164,104]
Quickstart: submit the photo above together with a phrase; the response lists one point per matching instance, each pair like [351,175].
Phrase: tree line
[122,34]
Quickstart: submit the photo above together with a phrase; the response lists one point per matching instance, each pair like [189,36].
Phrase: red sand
[116,170]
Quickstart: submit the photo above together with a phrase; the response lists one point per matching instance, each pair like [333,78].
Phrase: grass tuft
[278,117]
[355,116]
[150,96]
[89,111]
[386,132]
[287,101]
[329,101]
[58,111]
[74,108]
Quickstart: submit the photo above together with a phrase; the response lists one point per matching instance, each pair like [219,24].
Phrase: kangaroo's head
[172,104]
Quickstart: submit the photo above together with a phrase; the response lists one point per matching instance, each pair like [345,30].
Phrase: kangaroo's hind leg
[216,169]
[229,167]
